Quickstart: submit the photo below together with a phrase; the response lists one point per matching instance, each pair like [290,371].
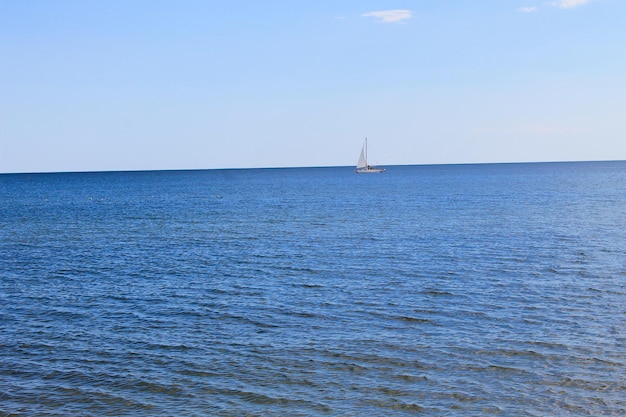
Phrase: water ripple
[493,290]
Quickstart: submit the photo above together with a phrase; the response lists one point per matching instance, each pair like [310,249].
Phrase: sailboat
[362,167]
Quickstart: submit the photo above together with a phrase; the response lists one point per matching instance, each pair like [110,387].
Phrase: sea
[441,290]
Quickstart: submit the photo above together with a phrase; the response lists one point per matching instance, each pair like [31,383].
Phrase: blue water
[426,290]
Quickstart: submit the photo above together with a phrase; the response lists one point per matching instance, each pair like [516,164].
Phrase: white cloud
[566,4]
[390,16]
[528,9]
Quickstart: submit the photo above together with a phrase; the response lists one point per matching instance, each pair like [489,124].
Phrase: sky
[207,84]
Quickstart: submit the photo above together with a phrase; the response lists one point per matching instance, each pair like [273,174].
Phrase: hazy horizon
[315,167]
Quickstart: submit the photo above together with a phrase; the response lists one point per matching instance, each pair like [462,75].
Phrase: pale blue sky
[187,84]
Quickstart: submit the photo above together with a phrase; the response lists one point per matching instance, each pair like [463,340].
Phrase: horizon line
[307,167]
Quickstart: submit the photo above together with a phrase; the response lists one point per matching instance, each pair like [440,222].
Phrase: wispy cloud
[528,9]
[566,4]
[531,130]
[390,16]
[563,4]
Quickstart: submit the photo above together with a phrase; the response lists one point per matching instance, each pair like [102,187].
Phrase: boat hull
[369,170]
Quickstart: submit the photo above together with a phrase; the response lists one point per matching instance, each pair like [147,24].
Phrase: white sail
[362,160]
